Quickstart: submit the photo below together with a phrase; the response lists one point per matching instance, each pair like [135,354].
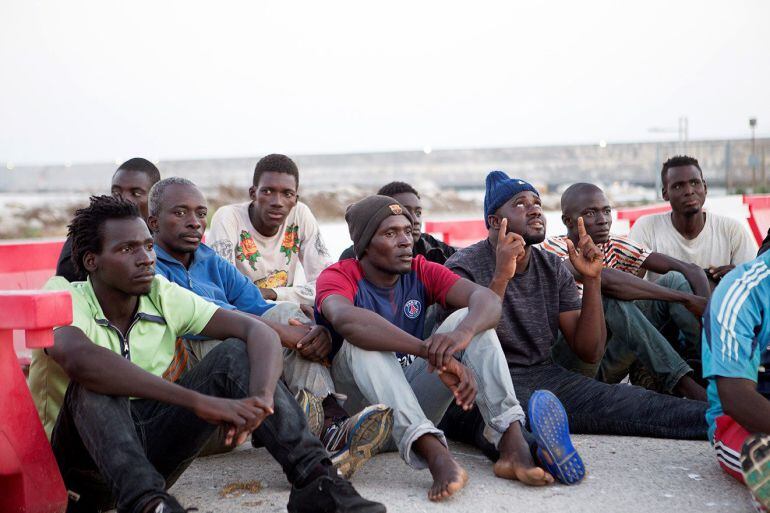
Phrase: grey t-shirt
[533,300]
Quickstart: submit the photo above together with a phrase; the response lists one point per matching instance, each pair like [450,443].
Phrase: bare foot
[448,477]
[516,460]
[529,475]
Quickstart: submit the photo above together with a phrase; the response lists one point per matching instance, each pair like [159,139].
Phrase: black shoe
[168,504]
[327,494]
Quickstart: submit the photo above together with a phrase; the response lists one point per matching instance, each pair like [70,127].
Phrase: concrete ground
[625,474]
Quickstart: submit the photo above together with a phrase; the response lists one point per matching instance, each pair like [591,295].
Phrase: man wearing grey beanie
[375,305]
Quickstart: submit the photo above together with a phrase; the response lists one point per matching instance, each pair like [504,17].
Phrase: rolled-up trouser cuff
[675,377]
[411,435]
[496,428]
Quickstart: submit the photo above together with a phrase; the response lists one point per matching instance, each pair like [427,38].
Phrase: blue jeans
[679,326]
[116,451]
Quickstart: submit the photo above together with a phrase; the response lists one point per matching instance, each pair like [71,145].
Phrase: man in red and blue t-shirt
[374,306]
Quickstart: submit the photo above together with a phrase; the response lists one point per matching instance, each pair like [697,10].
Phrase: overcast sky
[104,80]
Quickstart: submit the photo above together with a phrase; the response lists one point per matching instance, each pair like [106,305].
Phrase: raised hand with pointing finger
[510,251]
[587,259]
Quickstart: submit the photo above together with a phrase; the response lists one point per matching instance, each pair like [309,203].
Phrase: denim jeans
[116,451]
[298,373]
[594,407]
[419,399]
[677,323]
[636,330]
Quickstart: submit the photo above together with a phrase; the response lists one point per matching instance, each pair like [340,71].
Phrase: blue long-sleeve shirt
[213,278]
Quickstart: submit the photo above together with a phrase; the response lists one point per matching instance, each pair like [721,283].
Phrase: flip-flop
[549,424]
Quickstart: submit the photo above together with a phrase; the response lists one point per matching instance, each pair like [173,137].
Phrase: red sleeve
[436,278]
[341,278]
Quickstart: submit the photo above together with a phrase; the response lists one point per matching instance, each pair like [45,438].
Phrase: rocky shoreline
[47,215]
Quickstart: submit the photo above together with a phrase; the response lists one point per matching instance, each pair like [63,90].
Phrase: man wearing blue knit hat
[540,298]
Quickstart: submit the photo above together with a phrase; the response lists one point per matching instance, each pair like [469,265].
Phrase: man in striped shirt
[637,312]
[736,363]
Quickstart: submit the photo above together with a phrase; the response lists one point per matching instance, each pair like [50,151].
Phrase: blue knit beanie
[501,188]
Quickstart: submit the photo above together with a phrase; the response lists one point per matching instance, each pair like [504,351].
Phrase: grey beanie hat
[365,216]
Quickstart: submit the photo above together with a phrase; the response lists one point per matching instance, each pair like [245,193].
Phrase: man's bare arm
[367,330]
[741,401]
[585,330]
[628,287]
[262,344]
[695,276]
[484,306]
[85,362]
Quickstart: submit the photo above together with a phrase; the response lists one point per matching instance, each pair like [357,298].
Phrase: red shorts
[728,442]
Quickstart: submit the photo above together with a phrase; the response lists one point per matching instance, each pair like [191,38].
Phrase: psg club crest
[412,308]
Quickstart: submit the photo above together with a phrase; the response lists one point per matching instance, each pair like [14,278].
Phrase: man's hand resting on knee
[442,346]
[241,415]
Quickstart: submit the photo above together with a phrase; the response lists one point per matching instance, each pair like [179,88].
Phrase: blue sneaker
[549,425]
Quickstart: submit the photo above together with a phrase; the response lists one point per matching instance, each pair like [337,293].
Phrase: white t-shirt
[722,241]
[271,262]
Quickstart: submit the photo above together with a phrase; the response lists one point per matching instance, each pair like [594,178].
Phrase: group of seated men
[179,348]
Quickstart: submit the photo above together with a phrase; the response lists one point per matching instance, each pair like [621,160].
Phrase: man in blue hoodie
[177,220]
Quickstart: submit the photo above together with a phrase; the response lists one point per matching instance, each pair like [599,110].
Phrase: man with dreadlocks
[122,437]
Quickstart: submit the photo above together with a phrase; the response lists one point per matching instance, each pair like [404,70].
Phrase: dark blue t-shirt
[403,304]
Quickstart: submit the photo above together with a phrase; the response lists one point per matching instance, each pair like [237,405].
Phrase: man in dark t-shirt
[375,306]
[540,298]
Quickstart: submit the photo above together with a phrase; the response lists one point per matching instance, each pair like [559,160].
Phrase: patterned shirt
[403,304]
[271,262]
[620,253]
[736,332]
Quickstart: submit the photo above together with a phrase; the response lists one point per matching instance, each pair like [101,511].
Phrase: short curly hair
[86,227]
[389,189]
[678,161]
[275,163]
[140,165]
[155,201]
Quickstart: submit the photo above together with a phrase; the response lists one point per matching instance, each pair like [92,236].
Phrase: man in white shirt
[266,237]
[715,243]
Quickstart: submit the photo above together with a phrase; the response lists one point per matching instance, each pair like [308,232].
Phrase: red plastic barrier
[29,477]
[759,214]
[27,264]
[632,214]
[458,233]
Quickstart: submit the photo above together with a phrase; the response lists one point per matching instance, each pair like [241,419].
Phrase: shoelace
[335,434]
